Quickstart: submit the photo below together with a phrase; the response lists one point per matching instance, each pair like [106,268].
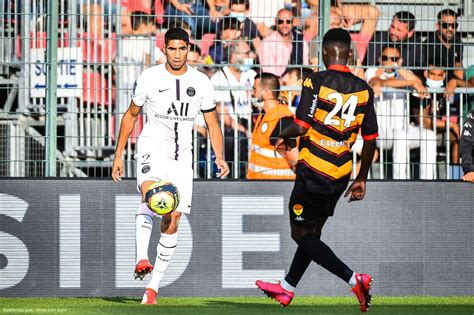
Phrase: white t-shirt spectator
[242,98]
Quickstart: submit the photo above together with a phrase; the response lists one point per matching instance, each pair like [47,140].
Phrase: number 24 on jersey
[348,110]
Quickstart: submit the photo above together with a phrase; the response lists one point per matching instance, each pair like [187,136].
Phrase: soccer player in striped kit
[334,105]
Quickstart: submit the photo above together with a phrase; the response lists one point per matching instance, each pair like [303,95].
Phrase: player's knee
[170,222]
[144,210]
[299,232]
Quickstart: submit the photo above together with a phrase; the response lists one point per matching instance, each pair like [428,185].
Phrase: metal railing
[70,128]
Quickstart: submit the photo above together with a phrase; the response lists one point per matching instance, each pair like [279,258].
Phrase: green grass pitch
[238,305]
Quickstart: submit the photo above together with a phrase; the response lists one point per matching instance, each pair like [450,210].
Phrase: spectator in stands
[194,56]
[435,77]
[94,11]
[248,29]
[195,13]
[282,47]
[199,61]
[359,44]
[401,34]
[234,104]
[273,117]
[445,47]
[467,148]
[293,77]
[229,32]
[262,13]
[136,52]
[395,132]
[345,16]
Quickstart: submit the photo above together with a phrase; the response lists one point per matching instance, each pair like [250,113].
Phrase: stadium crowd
[233,41]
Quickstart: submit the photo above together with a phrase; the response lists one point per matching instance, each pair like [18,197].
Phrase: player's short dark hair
[406,17]
[138,18]
[176,33]
[447,12]
[195,48]
[339,37]
[239,2]
[270,81]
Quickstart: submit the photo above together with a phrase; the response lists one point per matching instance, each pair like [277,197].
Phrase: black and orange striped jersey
[334,105]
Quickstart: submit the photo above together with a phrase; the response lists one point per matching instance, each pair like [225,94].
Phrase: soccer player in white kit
[171,95]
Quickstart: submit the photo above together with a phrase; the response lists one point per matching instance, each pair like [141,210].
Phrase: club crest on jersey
[145,169]
[298,209]
[264,127]
[191,91]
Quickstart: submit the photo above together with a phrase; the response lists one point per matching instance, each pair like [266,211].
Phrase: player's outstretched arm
[217,142]
[126,127]
[357,189]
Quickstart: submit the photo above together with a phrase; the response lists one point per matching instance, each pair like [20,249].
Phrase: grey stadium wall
[76,238]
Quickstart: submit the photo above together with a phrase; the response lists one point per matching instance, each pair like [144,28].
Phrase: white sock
[288,287]
[164,252]
[352,281]
[143,228]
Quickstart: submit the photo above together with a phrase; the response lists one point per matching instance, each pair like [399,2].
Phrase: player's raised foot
[143,268]
[275,291]
[149,297]
[361,290]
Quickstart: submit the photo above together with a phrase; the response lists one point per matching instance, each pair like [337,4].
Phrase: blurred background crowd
[418,58]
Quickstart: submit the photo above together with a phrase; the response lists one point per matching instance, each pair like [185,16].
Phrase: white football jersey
[171,103]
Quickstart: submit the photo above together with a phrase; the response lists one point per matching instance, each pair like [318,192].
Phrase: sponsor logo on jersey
[328,143]
[314,105]
[298,218]
[161,91]
[264,127]
[177,112]
[298,209]
[308,83]
[191,91]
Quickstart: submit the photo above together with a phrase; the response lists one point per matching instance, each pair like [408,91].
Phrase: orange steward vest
[262,162]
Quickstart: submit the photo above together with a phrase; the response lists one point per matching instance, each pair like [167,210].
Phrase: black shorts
[306,207]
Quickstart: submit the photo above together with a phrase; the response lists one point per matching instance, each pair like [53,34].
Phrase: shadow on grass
[122,300]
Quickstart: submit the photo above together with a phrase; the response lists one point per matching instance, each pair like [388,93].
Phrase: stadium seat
[139,5]
[98,49]
[207,41]
[137,129]
[94,88]
[38,40]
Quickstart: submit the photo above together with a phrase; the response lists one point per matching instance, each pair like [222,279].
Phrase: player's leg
[310,244]
[164,252]
[283,291]
[143,229]
[183,179]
